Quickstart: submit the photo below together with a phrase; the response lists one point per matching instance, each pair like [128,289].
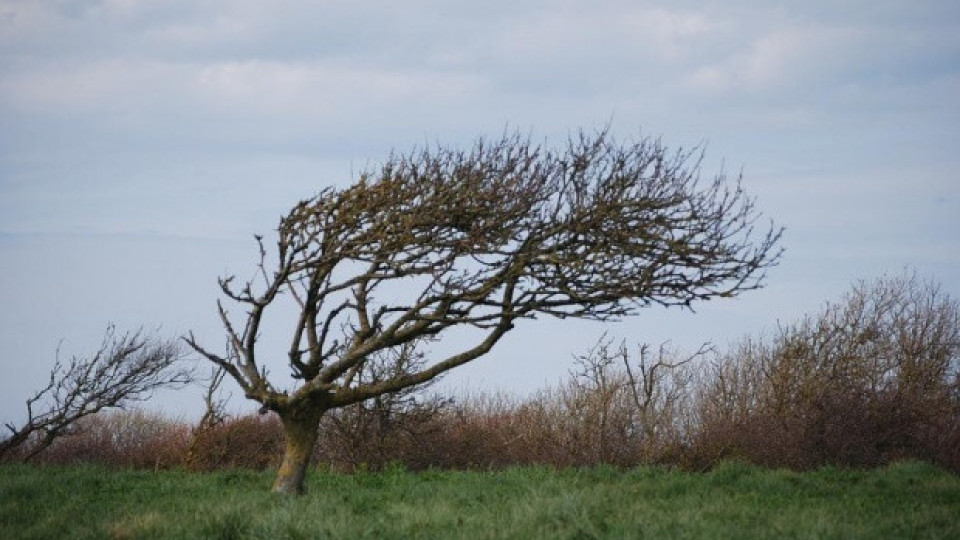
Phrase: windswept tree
[126,369]
[508,230]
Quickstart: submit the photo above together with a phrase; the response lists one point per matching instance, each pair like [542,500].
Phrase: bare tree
[509,230]
[627,407]
[660,387]
[215,412]
[127,368]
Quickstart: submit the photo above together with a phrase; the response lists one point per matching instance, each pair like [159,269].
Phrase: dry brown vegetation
[871,379]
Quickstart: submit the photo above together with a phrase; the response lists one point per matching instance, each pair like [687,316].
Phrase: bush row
[871,379]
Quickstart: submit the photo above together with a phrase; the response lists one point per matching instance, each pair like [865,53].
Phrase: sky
[143,144]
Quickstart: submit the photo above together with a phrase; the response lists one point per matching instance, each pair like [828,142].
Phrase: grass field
[907,500]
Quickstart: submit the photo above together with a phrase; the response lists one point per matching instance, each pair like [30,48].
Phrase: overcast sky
[142,144]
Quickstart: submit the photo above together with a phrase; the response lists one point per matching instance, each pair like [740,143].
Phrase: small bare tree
[127,368]
[442,239]
[628,407]
[215,412]
[593,403]
[660,387]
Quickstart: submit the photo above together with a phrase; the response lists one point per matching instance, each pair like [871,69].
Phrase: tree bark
[300,430]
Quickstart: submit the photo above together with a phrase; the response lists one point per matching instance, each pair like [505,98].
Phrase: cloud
[615,32]
[419,46]
[58,88]
[781,59]
[791,55]
[319,89]
[130,67]
[180,75]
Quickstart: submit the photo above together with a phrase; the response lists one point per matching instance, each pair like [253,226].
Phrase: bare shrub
[867,380]
[496,431]
[222,441]
[379,431]
[248,442]
[623,409]
[214,414]
[616,408]
[133,439]
[386,428]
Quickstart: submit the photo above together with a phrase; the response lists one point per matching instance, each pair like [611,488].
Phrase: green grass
[907,500]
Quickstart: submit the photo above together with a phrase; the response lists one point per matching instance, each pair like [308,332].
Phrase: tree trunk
[300,430]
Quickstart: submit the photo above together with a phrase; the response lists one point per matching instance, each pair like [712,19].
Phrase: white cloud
[200,34]
[319,89]
[269,91]
[784,58]
[66,88]
[601,42]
